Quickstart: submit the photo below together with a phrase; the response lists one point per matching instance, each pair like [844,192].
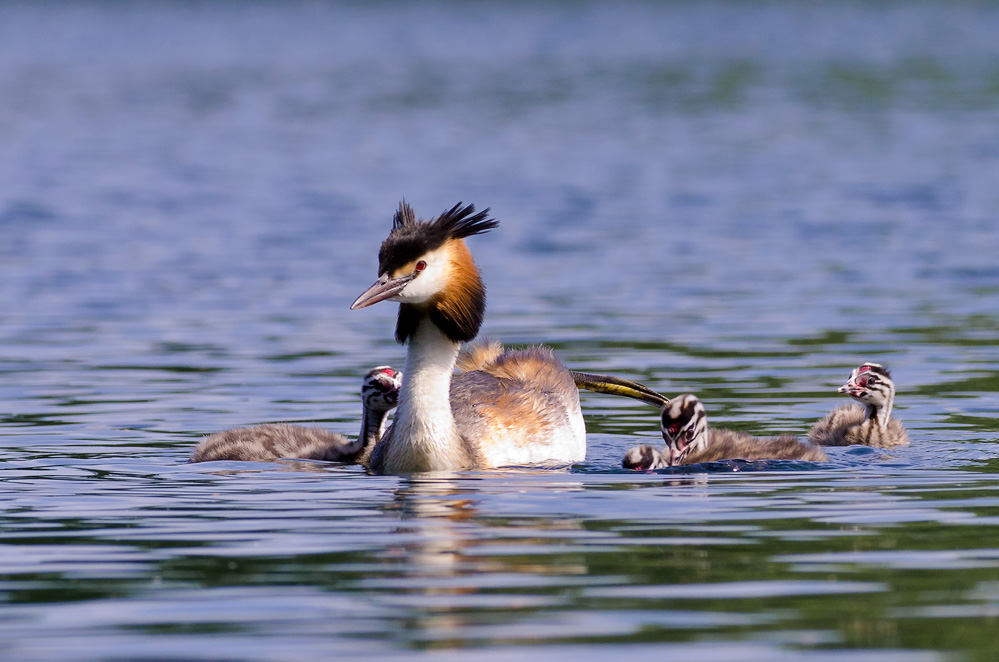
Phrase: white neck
[424,436]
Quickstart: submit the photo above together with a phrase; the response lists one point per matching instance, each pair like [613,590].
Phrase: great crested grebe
[508,407]
[690,441]
[280,441]
[871,385]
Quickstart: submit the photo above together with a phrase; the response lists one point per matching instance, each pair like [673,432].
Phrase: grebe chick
[871,385]
[516,407]
[690,441]
[281,441]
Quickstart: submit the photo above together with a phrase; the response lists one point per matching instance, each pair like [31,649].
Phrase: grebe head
[871,385]
[380,388]
[425,266]
[685,427]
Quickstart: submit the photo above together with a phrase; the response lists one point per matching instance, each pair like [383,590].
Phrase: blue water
[742,200]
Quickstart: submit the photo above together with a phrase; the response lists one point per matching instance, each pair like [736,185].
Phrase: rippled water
[741,200]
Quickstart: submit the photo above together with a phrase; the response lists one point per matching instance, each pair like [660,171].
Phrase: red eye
[421,265]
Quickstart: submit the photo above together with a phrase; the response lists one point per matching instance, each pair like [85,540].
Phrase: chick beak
[853,389]
[678,449]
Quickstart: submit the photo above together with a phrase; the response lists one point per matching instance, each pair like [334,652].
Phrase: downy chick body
[689,440]
[277,441]
[871,423]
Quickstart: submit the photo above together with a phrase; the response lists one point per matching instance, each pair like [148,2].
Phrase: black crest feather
[459,222]
[411,238]
[404,216]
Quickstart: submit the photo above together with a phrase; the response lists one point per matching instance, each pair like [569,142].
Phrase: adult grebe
[509,407]
[871,385]
[690,441]
[276,441]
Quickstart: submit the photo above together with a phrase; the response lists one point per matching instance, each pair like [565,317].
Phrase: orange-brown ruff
[506,407]
[867,424]
[282,441]
[690,441]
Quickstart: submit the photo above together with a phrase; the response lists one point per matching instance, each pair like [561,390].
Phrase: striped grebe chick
[282,441]
[689,440]
[512,407]
[871,424]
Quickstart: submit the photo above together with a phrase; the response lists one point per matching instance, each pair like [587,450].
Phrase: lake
[741,200]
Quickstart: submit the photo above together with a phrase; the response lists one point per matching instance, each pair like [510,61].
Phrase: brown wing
[520,397]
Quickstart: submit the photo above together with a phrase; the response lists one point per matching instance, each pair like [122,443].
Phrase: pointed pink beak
[382,289]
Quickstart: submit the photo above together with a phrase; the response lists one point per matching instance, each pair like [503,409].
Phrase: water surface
[743,201]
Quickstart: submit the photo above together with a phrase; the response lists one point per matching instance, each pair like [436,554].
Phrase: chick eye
[421,265]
